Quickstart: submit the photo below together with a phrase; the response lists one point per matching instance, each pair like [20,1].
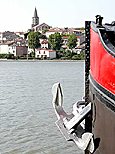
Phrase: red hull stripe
[103,91]
[102,63]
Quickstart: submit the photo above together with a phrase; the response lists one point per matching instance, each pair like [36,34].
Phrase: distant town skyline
[16,15]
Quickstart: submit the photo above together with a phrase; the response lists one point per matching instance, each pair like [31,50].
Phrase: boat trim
[103,94]
[97,30]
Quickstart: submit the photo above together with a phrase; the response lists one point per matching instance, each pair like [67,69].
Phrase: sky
[16,15]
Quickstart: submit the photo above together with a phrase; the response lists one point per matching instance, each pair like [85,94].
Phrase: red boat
[102,84]
[97,134]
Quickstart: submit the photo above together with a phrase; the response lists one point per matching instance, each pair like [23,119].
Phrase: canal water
[27,118]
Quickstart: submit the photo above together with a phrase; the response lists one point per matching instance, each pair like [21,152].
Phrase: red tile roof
[44,41]
[44,24]
[55,29]
[45,49]
[79,36]
[65,37]
[7,43]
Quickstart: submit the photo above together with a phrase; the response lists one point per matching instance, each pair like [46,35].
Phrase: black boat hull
[103,125]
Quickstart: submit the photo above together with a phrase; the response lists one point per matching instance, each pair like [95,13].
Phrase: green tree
[82,55]
[67,53]
[76,57]
[55,41]
[33,40]
[65,34]
[10,56]
[42,36]
[71,41]
[44,30]
[82,28]
[59,54]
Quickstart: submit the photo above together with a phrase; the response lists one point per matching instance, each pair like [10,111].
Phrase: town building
[10,36]
[1,36]
[21,50]
[45,53]
[20,34]
[79,44]
[4,47]
[13,48]
[64,38]
[45,44]
[53,31]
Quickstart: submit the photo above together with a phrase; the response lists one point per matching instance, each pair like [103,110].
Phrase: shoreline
[36,60]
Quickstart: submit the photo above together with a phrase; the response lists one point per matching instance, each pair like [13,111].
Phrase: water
[27,118]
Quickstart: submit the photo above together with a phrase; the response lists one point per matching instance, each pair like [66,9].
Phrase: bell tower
[35,18]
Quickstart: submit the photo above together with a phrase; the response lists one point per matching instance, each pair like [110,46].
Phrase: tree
[67,53]
[55,41]
[82,28]
[71,42]
[65,34]
[76,57]
[10,56]
[42,36]
[59,54]
[33,40]
[44,30]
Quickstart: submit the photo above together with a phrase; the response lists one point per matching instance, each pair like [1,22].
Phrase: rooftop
[45,49]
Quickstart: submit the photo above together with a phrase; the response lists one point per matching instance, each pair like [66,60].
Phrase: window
[39,52]
[44,52]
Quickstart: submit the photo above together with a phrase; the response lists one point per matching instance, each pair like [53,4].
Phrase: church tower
[35,19]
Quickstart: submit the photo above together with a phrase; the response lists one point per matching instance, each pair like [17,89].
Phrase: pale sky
[16,15]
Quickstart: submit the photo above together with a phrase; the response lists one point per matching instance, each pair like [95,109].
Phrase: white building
[40,27]
[53,31]
[65,38]
[12,50]
[6,48]
[1,36]
[45,53]
[45,44]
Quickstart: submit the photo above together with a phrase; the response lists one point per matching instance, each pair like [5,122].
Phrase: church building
[35,19]
[35,23]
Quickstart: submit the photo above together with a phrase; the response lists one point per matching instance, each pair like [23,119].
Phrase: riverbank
[36,60]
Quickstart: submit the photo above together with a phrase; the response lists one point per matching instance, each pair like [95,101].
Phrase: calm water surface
[27,118]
